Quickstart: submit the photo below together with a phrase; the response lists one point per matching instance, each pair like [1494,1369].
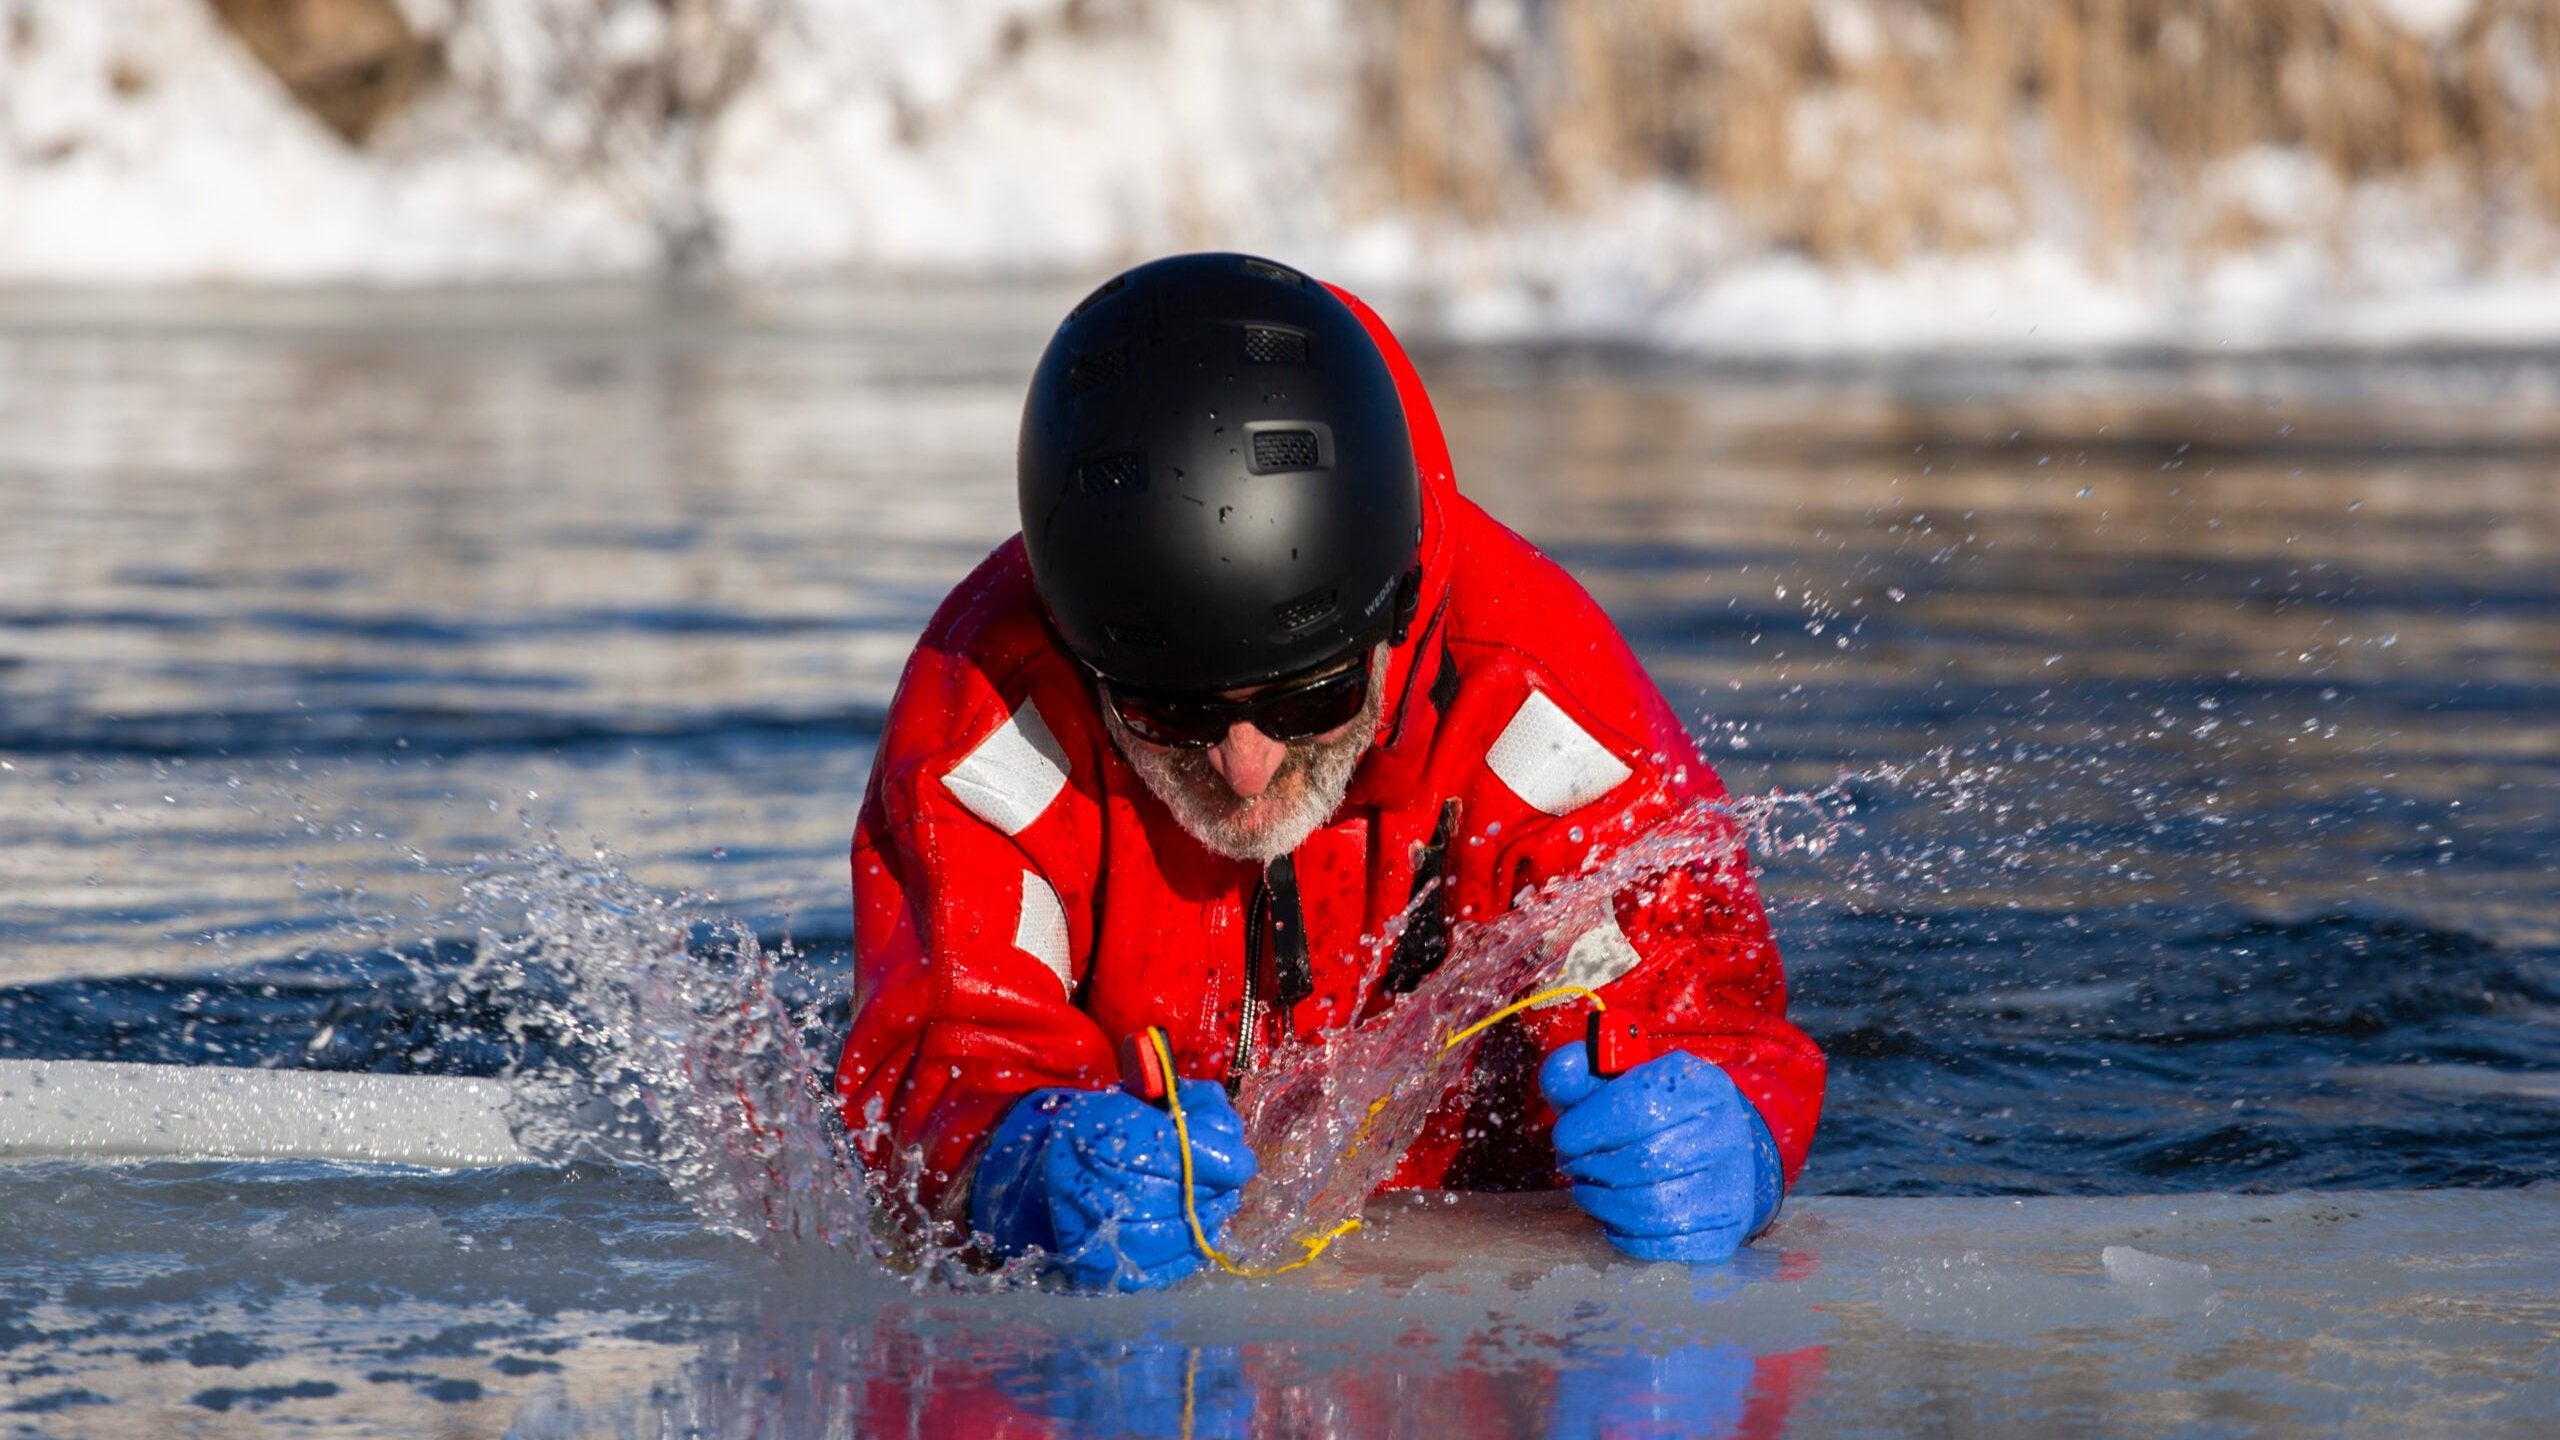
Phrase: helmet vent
[1264,345]
[1307,609]
[1121,474]
[1281,273]
[1136,637]
[1095,371]
[1105,291]
[1275,450]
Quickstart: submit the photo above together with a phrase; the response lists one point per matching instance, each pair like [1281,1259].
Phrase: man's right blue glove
[1669,1157]
[1094,1177]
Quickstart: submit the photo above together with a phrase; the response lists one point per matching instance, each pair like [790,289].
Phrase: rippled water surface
[2176,746]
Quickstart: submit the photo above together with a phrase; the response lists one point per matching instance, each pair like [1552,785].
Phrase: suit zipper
[1251,1013]
[1251,1016]
[1276,936]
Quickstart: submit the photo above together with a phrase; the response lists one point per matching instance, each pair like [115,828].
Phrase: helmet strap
[1408,599]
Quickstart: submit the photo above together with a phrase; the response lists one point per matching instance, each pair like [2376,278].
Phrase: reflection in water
[551,1305]
[885,1380]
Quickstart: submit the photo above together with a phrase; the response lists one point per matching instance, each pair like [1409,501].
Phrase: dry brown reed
[1874,129]
[352,63]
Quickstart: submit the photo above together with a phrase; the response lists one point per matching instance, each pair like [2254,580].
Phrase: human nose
[1247,759]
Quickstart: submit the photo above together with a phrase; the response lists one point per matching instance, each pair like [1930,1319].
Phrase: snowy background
[1740,177]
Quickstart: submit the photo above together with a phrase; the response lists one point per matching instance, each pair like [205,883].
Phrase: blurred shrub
[1849,130]
[621,93]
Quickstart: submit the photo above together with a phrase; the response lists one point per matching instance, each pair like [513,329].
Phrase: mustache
[1305,789]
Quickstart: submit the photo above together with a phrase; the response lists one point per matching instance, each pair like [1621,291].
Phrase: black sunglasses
[1290,710]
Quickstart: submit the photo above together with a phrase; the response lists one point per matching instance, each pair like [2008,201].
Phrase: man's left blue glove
[1669,1157]
[1094,1177]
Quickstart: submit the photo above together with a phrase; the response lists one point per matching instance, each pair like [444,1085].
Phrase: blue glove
[1668,1157]
[1094,1178]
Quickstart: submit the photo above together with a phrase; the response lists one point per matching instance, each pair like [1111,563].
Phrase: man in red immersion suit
[1254,682]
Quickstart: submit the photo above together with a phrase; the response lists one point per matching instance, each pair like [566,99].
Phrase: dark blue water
[2185,731]
[2149,1051]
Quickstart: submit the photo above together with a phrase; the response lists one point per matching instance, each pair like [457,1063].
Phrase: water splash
[1332,1116]
[655,1036]
[658,1036]
[666,1046]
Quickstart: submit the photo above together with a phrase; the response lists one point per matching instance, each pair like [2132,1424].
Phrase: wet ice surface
[540,1303]
[2170,762]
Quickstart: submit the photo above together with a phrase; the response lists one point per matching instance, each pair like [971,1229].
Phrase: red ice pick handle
[1615,1045]
[1142,1071]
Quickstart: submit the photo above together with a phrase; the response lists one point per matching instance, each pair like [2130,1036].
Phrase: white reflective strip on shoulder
[1602,954]
[1013,775]
[1041,932]
[1550,761]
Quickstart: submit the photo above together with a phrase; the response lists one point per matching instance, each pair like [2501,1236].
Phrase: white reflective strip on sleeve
[1013,775]
[1551,762]
[1601,955]
[1041,933]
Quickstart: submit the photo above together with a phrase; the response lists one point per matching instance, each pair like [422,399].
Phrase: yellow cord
[1561,992]
[1190,1197]
[1315,1244]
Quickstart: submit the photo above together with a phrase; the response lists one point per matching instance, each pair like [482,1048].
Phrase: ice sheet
[183,1300]
[102,1109]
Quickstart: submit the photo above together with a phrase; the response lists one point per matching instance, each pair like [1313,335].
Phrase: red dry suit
[1021,901]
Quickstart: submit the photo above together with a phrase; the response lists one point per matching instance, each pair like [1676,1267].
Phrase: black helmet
[1217,485]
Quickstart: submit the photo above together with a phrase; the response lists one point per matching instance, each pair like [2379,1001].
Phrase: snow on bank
[141,146]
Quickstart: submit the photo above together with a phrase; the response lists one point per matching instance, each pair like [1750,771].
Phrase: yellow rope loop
[1315,1244]
[1561,992]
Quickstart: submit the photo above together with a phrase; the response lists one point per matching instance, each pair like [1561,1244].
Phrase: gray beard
[1304,793]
